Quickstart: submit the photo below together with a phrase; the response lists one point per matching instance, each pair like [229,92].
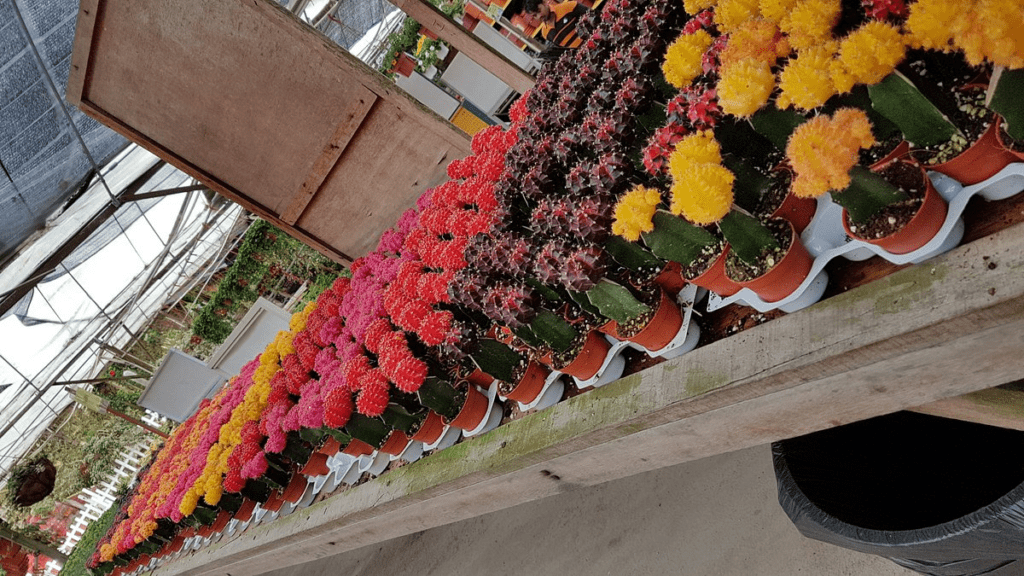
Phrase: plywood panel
[259,107]
[377,150]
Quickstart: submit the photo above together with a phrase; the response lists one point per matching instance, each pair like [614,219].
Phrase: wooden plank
[215,94]
[350,122]
[464,41]
[948,327]
[1002,406]
[81,48]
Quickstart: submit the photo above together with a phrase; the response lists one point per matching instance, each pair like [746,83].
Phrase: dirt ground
[713,517]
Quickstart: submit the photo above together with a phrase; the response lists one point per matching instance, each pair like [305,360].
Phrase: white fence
[102,497]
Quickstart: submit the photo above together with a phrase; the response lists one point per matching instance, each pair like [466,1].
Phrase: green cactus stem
[867,194]
[441,397]
[497,359]
[616,302]
[631,255]
[747,236]
[677,240]
[373,431]
[922,124]
[553,330]
[398,417]
[1005,98]
[776,125]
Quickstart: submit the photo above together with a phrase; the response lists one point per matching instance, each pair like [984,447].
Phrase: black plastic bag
[938,496]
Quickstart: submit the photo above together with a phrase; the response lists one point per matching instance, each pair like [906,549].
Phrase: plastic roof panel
[42,157]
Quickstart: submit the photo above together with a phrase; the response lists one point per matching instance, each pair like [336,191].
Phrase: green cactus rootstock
[747,236]
[616,302]
[922,124]
[1008,101]
[677,240]
[867,194]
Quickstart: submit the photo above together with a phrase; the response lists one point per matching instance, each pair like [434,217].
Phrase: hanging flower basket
[31,482]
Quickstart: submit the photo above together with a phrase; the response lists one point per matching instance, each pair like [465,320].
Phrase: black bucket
[938,496]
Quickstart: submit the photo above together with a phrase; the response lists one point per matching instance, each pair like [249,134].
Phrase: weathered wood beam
[945,328]
[464,41]
[1002,406]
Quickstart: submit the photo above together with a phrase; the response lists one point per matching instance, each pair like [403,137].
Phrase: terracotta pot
[223,517]
[177,543]
[427,33]
[473,410]
[981,161]
[1018,156]
[530,384]
[274,503]
[661,329]
[798,211]
[590,358]
[404,65]
[714,278]
[919,231]
[244,512]
[293,491]
[330,447]
[430,429]
[481,378]
[671,278]
[787,274]
[316,465]
[205,531]
[396,442]
[358,448]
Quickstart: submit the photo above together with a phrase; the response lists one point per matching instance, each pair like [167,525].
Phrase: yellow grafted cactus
[694,6]
[634,213]
[745,87]
[757,38]
[701,186]
[188,502]
[867,55]
[698,147]
[992,30]
[806,81]
[823,149]
[298,322]
[683,58]
[730,15]
[776,10]
[931,22]
[702,193]
[810,22]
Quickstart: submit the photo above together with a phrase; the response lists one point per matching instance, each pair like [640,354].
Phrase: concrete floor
[713,517]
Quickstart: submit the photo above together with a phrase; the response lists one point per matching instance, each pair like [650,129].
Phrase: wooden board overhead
[266,111]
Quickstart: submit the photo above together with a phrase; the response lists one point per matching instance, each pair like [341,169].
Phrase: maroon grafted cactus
[576,268]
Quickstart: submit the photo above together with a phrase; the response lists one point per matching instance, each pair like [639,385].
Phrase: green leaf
[922,124]
[676,239]
[616,302]
[1008,101]
[631,255]
[747,236]
[867,194]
